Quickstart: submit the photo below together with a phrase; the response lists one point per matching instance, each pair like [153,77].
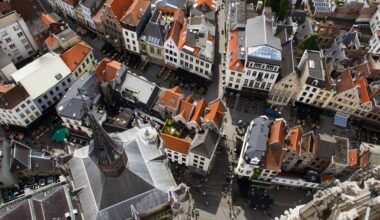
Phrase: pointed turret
[106,152]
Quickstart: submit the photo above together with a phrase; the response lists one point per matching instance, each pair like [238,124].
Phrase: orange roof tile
[277,133]
[325,178]
[234,62]
[211,4]
[273,158]
[133,14]
[6,88]
[118,7]
[171,97]
[199,111]
[176,144]
[47,19]
[344,82]
[364,158]
[74,56]
[216,112]
[182,38]
[107,70]
[294,138]
[186,108]
[51,40]
[353,156]
[363,92]
[174,32]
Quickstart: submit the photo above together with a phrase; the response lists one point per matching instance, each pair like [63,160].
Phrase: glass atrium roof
[265,52]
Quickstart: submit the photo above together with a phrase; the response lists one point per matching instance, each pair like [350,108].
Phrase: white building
[134,22]
[56,77]
[254,148]
[89,8]
[16,106]
[314,86]
[15,38]
[262,51]
[67,7]
[6,67]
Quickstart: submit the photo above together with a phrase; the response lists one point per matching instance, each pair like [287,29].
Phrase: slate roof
[289,63]
[181,4]
[264,37]
[314,58]
[205,143]
[257,137]
[144,182]
[71,105]
[49,204]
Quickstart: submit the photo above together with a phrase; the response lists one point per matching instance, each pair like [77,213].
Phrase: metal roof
[144,181]
[46,67]
[257,138]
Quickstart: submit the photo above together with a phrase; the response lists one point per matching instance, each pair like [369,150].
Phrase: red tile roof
[277,133]
[51,40]
[234,62]
[186,108]
[363,92]
[273,158]
[216,112]
[171,97]
[176,144]
[107,70]
[364,158]
[74,56]
[199,111]
[118,7]
[211,4]
[344,82]
[133,14]
[182,38]
[47,19]
[12,95]
[294,139]
[353,156]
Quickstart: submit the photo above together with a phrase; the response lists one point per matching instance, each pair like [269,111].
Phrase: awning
[341,119]
[59,134]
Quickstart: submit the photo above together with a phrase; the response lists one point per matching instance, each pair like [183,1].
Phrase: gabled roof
[199,111]
[171,97]
[277,133]
[107,70]
[353,157]
[363,92]
[205,5]
[344,82]
[135,11]
[11,95]
[216,112]
[293,140]
[74,56]
[47,19]
[186,108]
[118,7]
[176,144]
[273,158]
[205,143]
[234,52]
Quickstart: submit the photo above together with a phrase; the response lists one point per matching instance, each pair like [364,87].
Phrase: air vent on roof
[311,64]
[58,76]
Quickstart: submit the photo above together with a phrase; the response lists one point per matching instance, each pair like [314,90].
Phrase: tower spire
[108,154]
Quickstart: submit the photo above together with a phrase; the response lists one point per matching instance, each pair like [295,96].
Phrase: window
[51,92]
[32,107]
[28,102]
[27,111]
[68,80]
[8,40]
[63,83]
[39,101]
[22,115]
[23,106]
[27,121]
[19,34]
[17,109]
[12,46]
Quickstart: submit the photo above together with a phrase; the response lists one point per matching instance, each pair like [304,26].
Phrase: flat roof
[43,73]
